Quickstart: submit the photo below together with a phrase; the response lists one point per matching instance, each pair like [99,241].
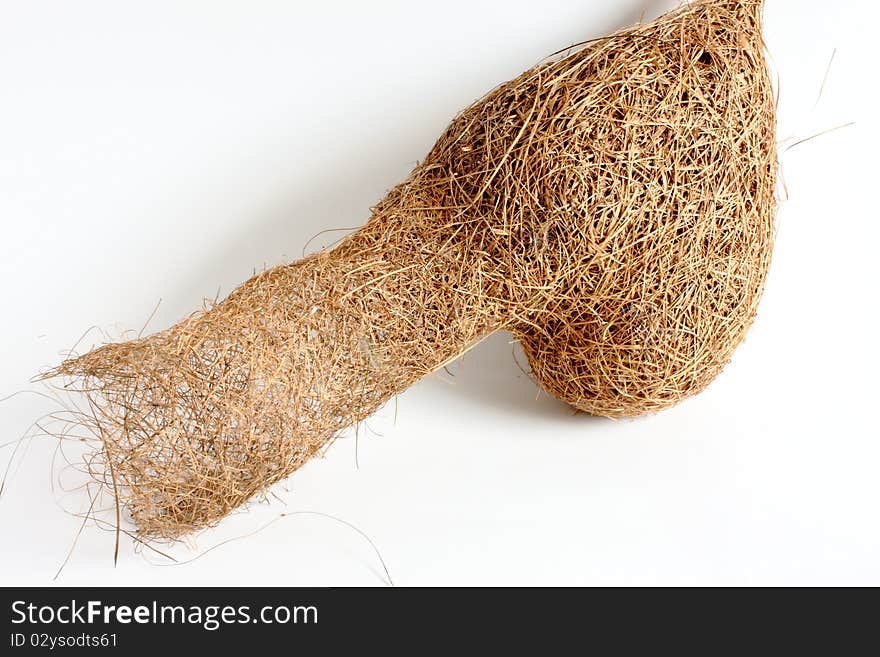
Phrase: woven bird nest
[613,209]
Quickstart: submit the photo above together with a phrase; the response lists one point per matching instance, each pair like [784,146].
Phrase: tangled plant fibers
[612,208]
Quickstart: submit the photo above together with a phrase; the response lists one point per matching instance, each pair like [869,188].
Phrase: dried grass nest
[612,208]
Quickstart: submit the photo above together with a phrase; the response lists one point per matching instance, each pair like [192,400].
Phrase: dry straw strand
[613,208]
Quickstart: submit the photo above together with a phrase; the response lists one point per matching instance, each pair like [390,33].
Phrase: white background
[162,150]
